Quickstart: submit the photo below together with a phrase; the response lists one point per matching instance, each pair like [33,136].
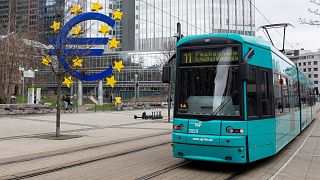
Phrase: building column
[72,90]
[80,94]
[100,93]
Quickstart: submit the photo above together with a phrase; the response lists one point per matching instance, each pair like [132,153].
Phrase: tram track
[51,169]
[77,149]
[179,165]
[164,170]
[76,130]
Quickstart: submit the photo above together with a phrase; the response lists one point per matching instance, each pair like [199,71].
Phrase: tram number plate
[193,131]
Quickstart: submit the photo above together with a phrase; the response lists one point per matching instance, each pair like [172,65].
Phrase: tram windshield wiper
[221,106]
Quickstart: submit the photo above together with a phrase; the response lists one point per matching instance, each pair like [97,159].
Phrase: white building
[309,63]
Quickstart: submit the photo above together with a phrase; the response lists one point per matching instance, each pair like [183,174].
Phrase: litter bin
[13,100]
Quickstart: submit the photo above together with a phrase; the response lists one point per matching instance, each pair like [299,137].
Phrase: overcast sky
[289,11]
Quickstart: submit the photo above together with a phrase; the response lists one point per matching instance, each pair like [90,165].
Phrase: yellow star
[104,29]
[114,43]
[117,15]
[118,100]
[68,81]
[56,26]
[46,60]
[111,81]
[96,6]
[118,65]
[76,31]
[77,62]
[75,9]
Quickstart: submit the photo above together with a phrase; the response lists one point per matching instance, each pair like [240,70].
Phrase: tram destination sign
[214,55]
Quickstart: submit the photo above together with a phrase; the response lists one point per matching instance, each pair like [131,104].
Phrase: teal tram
[237,99]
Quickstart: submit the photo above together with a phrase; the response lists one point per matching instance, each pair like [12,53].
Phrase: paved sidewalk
[19,135]
[304,163]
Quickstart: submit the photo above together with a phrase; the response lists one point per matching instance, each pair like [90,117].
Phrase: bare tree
[169,49]
[14,52]
[314,11]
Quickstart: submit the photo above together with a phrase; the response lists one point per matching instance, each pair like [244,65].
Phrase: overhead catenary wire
[264,17]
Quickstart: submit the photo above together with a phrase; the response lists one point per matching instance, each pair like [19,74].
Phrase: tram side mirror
[249,55]
[166,73]
[244,66]
[244,71]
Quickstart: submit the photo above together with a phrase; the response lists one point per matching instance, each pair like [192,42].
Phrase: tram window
[295,90]
[285,95]
[265,94]
[293,94]
[277,94]
[252,94]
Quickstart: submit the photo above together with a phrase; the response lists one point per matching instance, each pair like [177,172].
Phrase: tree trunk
[58,106]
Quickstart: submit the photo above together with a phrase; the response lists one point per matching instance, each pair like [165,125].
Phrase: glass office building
[141,64]
[146,27]
[155,20]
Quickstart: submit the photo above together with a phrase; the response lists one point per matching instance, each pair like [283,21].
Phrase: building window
[304,63]
[299,64]
[315,62]
[315,69]
[309,76]
[315,82]
[304,70]
[315,75]
[309,63]
[309,69]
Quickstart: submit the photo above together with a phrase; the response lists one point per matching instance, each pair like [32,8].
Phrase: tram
[237,99]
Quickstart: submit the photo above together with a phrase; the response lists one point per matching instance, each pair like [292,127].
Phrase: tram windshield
[209,82]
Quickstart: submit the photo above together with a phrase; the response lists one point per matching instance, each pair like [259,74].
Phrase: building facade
[140,64]
[49,11]
[155,20]
[147,27]
[308,63]
[21,16]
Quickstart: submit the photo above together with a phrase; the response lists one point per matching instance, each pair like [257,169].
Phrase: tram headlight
[229,129]
[179,127]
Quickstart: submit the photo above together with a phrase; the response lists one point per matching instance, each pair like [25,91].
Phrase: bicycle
[70,107]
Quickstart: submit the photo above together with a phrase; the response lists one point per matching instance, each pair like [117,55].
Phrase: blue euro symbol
[62,41]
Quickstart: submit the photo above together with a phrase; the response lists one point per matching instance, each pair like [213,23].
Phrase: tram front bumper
[210,153]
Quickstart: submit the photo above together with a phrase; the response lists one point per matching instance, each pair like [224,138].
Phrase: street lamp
[22,78]
[136,86]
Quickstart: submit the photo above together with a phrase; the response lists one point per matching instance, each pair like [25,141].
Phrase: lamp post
[136,85]
[22,78]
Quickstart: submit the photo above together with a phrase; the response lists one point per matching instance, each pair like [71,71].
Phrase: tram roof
[255,41]
[240,38]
